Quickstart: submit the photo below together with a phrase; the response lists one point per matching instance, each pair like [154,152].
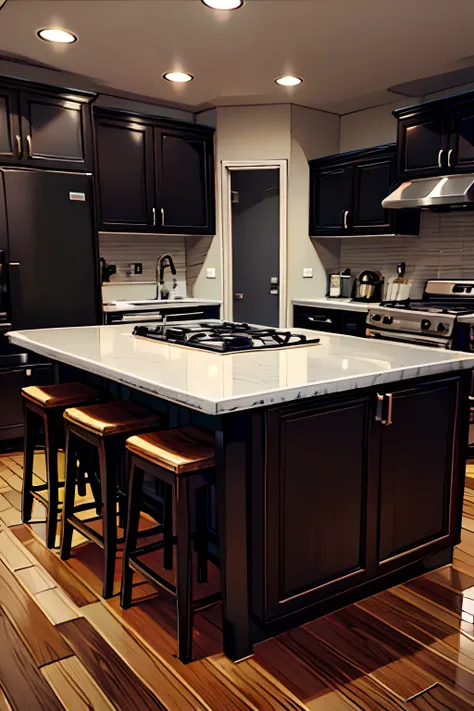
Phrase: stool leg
[29,448]
[168,528]
[94,482]
[81,472]
[202,507]
[183,572]
[133,521]
[108,481]
[51,441]
[69,492]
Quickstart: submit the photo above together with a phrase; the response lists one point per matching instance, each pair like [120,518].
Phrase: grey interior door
[256,246]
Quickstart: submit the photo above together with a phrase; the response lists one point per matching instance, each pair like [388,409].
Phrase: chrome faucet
[164,262]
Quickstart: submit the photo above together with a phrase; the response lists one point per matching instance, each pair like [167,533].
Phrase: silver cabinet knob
[238,296]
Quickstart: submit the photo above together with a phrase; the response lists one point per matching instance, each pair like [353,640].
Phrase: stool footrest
[86,530]
[42,499]
[151,547]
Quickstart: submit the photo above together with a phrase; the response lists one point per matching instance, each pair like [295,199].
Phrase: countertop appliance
[443,317]
[48,271]
[340,285]
[368,286]
[223,336]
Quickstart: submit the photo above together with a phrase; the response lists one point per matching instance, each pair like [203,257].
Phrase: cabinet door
[371,185]
[56,131]
[318,319]
[308,476]
[184,182]
[423,145]
[416,471]
[11,383]
[331,200]
[125,182]
[461,145]
[10,140]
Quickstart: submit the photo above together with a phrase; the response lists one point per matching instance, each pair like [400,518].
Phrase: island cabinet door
[420,471]
[317,485]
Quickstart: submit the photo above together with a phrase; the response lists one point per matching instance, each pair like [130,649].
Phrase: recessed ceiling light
[288,81]
[53,34]
[178,77]
[223,4]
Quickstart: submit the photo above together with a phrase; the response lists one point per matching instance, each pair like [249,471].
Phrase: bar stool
[177,458]
[104,428]
[48,403]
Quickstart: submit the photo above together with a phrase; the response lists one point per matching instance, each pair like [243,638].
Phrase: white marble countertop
[343,304]
[217,384]
[155,305]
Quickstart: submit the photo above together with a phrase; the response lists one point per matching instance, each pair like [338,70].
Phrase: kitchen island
[340,464]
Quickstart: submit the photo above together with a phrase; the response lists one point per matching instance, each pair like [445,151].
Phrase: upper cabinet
[436,138]
[168,184]
[44,128]
[346,193]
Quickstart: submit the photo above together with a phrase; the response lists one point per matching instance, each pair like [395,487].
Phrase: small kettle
[368,286]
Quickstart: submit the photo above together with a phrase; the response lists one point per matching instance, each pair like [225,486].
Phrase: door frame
[226,169]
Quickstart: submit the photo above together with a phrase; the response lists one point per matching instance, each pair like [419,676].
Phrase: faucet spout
[164,262]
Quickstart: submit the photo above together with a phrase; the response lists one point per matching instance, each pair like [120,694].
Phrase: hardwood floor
[63,647]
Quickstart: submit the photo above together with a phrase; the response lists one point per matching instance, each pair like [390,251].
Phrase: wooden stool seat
[184,461]
[63,395]
[182,451]
[111,418]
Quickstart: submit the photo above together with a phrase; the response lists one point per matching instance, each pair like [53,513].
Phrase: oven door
[414,339]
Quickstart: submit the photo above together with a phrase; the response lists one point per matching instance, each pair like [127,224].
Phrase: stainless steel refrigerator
[49,273]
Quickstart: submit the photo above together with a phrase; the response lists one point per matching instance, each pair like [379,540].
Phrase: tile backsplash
[444,248]
[124,249]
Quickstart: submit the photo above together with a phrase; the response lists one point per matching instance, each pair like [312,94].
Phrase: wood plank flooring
[410,648]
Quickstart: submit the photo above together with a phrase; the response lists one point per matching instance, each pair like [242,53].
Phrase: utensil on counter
[399,288]
[368,286]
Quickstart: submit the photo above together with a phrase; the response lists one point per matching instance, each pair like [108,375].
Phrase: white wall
[372,127]
[313,134]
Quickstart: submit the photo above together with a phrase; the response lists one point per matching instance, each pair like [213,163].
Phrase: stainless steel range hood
[446,191]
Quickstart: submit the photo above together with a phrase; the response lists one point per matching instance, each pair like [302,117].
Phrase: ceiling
[348,51]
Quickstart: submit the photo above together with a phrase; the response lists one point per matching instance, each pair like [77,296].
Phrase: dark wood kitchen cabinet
[436,138]
[44,127]
[346,193]
[337,517]
[416,470]
[126,181]
[169,188]
[333,320]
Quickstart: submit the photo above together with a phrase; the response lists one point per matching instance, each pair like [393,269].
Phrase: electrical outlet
[136,268]
[210,273]
[307,273]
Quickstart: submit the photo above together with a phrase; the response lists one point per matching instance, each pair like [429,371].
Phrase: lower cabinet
[184,313]
[12,380]
[352,323]
[354,487]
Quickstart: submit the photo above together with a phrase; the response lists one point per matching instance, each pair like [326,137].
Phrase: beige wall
[372,127]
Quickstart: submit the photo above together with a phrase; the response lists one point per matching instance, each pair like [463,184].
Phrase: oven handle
[406,337]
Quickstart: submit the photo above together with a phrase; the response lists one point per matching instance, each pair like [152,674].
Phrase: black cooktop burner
[439,305]
[223,337]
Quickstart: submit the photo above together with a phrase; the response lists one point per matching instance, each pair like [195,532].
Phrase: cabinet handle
[162,216]
[154,217]
[450,153]
[388,421]
[346,215]
[440,158]
[379,412]
[18,145]
[314,319]
[29,151]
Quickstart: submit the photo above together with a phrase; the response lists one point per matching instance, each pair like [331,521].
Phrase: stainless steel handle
[19,149]
[162,216]
[440,158]
[379,409]
[388,421]
[379,412]
[180,316]
[450,153]
[29,151]
[314,319]
[239,296]
[154,216]
[346,215]
[471,398]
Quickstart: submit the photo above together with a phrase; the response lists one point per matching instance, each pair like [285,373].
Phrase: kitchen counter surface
[343,304]
[218,384]
[154,305]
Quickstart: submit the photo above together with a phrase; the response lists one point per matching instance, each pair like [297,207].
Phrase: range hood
[446,191]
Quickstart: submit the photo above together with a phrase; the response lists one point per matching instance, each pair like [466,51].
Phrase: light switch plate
[307,273]
[210,273]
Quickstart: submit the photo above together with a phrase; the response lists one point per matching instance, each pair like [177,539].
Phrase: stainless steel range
[442,318]
[223,336]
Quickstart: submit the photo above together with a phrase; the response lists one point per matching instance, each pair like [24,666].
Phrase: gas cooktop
[445,305]
[223,336]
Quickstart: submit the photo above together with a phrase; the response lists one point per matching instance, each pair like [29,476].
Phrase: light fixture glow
[53,34]
[288,81]
[178,77]
[223,4]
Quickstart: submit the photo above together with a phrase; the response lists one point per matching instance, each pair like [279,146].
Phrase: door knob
[238,296]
